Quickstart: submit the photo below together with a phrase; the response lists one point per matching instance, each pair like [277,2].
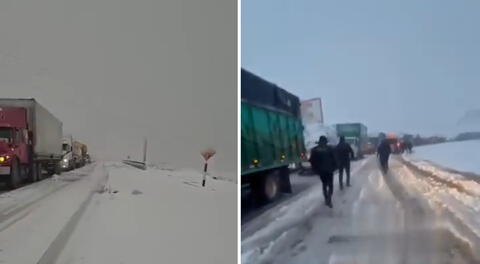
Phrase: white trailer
[46,129]
[35,140]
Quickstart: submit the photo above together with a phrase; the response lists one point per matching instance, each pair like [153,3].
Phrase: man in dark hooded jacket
[344,153]
[322,159]
[383,153]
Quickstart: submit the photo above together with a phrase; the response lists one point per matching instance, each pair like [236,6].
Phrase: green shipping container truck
[356,135]
[272,137]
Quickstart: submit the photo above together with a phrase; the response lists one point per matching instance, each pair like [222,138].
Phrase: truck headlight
[65,160]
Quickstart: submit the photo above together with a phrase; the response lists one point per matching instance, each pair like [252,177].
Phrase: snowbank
[455,197]
[461,156]
[157,216]
[215,174]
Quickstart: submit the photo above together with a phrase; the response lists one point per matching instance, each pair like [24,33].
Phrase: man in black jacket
[383,153]
[344,153]
[322,159]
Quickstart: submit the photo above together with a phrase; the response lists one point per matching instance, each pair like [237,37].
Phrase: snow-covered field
[113,213]
[462,156]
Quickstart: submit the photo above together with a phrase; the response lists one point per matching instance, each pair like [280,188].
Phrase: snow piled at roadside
[157,216]
[462,156]
[451,192]
[462,182]
[279,222]
[230,176]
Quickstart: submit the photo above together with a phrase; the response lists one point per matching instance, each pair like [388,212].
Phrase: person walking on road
[344,153]
[322,159]
[409,146]
[383,153]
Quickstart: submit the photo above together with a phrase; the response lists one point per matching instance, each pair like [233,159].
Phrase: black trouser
[344,166]
[384,162]
[327,182]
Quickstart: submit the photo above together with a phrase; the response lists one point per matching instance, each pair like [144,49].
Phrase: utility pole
[145,153]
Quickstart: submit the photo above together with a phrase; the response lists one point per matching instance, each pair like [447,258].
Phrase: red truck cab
[14,140]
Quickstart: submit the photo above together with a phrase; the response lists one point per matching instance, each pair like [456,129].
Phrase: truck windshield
[66,147]
[6,134]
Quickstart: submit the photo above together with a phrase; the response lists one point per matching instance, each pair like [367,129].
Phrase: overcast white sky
[400,65]
[117,70]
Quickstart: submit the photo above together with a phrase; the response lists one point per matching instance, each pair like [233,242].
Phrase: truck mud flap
[285,185]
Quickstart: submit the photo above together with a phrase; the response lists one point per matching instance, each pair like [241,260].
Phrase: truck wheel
[38,169]
[58,169]
[33,172]
[14,181]
[271,186]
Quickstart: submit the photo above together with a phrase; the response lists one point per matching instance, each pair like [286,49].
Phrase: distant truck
[30,141]
[74,154]
[311,135]
[271,137]
[314,127]
[395,143]
[356,135]
[81,152]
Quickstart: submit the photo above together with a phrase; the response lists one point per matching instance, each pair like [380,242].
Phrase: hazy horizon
[399,66]
[115,71]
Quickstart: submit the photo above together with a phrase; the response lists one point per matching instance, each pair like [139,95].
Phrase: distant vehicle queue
[75,154]
[31,143]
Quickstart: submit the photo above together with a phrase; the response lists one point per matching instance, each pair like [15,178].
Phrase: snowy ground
[113,213]
[462,156]
[405,216]
[300,183]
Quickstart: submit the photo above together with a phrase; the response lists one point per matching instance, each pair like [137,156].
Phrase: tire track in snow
[54,250]
[16,212]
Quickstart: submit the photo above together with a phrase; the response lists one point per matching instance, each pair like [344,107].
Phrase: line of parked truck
[277,133]
[32,144]
[75,154]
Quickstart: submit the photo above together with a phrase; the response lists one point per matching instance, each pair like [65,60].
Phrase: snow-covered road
[113,213]
[404,216]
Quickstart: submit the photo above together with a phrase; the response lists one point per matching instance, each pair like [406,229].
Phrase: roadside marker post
[206,154]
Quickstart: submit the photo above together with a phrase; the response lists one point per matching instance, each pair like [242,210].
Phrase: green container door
[269,139]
